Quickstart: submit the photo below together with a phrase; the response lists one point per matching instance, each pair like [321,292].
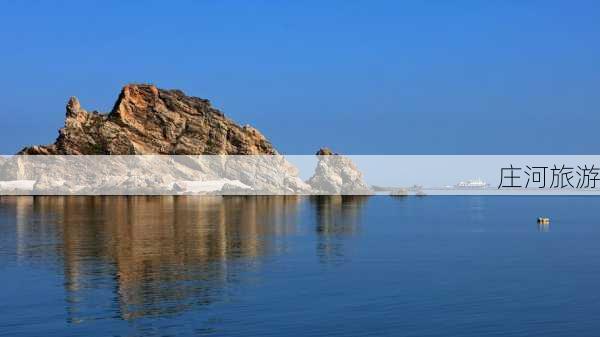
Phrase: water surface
[299,266]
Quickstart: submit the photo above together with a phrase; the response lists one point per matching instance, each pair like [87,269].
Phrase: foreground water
[262,266]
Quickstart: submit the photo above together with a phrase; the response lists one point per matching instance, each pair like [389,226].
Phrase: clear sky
[363,77]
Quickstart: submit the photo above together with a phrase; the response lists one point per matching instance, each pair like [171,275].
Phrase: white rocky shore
[171,175]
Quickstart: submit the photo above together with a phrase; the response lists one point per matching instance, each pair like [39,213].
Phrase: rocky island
[199,150]
[149,120]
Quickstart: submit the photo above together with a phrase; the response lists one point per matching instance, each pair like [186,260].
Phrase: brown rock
[148,120]
[325,151]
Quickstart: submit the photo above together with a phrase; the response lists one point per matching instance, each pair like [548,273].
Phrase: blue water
[274,266]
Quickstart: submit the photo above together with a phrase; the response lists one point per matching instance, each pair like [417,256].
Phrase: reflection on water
[543,227]
[337,217]
[163,255]
[308,266]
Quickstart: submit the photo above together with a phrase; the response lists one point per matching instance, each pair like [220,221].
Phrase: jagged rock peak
[73,106]
[149,120]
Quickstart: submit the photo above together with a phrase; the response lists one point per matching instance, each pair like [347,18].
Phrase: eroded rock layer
[149,120]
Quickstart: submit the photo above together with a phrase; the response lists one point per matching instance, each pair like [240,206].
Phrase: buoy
[543,220]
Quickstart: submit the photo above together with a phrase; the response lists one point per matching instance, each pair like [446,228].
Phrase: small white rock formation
[336,174]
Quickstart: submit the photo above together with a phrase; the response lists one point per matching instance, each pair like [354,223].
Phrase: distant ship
[472,184]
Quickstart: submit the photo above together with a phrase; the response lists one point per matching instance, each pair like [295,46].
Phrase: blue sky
[363,77]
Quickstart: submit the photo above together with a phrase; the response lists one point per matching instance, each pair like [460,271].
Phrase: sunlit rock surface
[182,145]
[149,120]
[336,174]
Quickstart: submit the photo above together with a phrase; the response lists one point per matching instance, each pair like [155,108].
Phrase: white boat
[472,184]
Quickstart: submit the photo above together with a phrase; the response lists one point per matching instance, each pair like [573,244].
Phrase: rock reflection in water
[337,217]
[164,254]
[130,257]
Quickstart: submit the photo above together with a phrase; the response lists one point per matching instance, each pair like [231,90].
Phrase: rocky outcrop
[149,120]
[146,120]
[336,174]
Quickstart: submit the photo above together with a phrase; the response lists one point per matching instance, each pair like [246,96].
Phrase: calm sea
[299,266]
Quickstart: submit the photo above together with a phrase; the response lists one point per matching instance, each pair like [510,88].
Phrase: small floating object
[543,220]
